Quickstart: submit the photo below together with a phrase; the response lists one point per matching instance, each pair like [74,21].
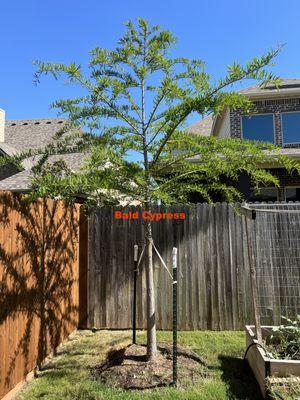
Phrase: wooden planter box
[264,367]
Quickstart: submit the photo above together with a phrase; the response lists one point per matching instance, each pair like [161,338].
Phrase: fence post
[252,264]
[174,316]
[135,271]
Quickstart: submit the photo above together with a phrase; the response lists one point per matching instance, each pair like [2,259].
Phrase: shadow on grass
[239,379]
[78,348]
[69,357]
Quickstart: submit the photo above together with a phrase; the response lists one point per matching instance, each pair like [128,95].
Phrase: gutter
[279,94]
[296,156]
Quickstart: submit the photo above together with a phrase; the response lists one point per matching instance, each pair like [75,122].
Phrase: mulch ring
[128,368]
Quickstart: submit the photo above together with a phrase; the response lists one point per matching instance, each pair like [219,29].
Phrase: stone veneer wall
[275,107]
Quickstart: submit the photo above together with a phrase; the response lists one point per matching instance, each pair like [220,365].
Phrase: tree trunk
[151,324]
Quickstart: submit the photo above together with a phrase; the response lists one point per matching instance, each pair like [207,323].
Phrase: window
[258,127]
[264,194]
[291,127]
[292,194]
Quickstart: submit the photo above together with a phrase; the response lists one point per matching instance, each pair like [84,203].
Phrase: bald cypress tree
[133,104]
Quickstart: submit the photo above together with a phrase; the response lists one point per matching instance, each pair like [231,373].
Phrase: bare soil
[128,368]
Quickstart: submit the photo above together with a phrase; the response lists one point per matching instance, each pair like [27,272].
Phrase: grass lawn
[67,376]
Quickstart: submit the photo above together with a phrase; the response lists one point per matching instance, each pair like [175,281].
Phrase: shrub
[284,342]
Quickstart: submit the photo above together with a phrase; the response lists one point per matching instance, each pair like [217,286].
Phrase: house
[276,120]
[17,136]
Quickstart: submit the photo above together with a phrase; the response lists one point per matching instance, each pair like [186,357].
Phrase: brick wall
[286,179]
[275,107]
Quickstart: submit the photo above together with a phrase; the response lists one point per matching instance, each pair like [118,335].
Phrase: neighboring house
[277,120]
[17,136]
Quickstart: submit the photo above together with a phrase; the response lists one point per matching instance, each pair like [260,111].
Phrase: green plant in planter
[284,342]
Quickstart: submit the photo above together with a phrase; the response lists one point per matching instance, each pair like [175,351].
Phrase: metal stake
[174,316]
[135,271]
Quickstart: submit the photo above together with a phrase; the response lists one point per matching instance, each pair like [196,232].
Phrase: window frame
[282,133]
[291,187]
[254,115]
[268,188]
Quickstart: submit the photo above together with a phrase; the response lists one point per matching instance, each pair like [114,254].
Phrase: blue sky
[217,32]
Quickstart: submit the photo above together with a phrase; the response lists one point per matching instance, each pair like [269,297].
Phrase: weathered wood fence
[57,273]
[214,284]
[39,297]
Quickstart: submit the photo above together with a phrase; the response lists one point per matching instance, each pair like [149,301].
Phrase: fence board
[213,279]
[39,269]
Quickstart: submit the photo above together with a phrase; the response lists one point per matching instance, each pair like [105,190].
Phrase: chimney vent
[2,125]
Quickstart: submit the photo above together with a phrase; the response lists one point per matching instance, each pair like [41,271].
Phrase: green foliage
[134,105]
[284,342]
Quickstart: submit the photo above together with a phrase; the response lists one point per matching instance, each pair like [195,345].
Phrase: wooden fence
[214,284]
[38,283]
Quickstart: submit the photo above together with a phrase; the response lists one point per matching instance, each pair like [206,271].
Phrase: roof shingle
[22,135]
[31,134]
[202,127]
[286,86]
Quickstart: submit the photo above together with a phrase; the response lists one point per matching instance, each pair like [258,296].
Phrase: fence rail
[213,268]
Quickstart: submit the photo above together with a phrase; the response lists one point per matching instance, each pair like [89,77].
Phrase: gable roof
[21,181]
[22,135]
[17,182]
[202,127]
